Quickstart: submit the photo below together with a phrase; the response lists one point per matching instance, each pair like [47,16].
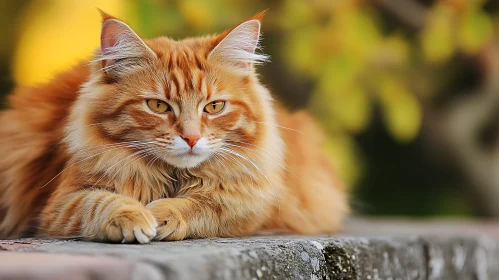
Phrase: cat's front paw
[172,225]
[130,223]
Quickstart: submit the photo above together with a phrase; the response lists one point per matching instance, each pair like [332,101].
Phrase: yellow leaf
[357,31]
[57,34]
[340,71]
[475,30]
[437,38]
[349,106]
[300,51]
[401,110]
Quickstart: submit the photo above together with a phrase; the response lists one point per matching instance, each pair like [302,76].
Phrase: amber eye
[214,107]
[158,106]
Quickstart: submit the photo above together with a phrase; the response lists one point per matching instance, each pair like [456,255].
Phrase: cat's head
[179,101]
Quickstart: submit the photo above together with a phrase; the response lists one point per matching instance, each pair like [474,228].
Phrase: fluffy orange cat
[166,140]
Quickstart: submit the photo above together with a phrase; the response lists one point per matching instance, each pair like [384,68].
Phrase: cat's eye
[214,107]
[158,106]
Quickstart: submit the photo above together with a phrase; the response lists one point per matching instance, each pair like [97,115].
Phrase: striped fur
[83,155]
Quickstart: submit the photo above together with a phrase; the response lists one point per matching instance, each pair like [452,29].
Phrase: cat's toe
[141,236]
[173,229]
[145,232]
[131,226]
[172,225]
[128,235]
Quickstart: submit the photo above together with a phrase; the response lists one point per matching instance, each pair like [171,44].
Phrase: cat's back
[41,105]
[31,130]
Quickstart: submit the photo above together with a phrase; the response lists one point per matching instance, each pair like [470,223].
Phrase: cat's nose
[191,139]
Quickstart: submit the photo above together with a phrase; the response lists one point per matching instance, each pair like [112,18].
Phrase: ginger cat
[166,140]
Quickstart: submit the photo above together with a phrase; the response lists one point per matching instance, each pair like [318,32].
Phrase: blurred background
[407,90]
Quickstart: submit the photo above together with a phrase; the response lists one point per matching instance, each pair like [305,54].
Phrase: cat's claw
[172,225]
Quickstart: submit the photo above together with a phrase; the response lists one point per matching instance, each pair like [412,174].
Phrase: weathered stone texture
[430,254]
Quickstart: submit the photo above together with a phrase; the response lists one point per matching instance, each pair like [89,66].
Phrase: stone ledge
[430,250]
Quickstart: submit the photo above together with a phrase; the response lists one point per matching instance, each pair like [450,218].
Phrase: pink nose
[191,139]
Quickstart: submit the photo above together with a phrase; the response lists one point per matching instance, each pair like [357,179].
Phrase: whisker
[222,164]
[111,145]
[269,158]
[146,152]
[110,167]
[259,169]
[156,157]
[231,159]
[106,172]
[253,177]
[280,126]
[118,145]
[75,126]
[272,153]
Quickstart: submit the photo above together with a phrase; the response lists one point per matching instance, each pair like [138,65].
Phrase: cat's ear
[122,50]
[237,48]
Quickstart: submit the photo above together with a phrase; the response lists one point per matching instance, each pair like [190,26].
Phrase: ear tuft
[122,50]
[237,48]
[259,16]
[105,16]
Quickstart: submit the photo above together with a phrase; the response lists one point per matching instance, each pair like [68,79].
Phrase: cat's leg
[99,216]
[200,217]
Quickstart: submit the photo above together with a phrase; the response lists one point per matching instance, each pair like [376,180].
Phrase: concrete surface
[368,249]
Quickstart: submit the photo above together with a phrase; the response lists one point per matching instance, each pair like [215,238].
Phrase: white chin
[186,161]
